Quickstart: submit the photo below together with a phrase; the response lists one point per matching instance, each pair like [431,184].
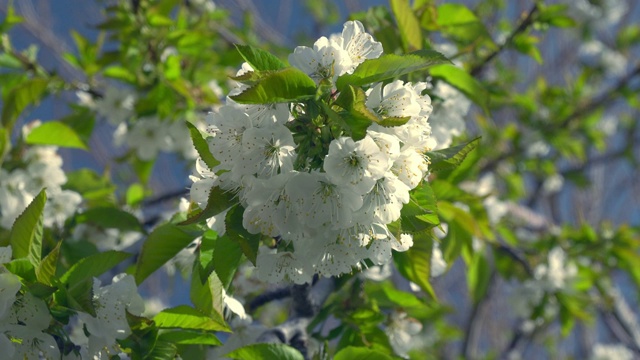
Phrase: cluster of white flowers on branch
[41,169]
[327,197]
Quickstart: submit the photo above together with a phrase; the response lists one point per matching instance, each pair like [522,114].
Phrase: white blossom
[148,136]
[320,203]
[115,105]
[357,43]
[111,303]
[265,152]
[357,164]
[326,60]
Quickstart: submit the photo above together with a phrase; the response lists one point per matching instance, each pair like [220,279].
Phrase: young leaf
[357,117]
[201,146]
[47,268]
[286,85]
[408,24]
[390,66]
[26,233]
[186,317]
[259,59]
[265,351]
[161,245]
[450,158]
[219,200]
[464,82]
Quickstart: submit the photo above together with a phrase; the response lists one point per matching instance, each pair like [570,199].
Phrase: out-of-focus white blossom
[115,105]
[611,352]
[449,110]
[402,331]
[438,265]
[596,54]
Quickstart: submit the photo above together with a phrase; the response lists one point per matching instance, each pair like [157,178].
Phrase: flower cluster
[147,135]
[42,169]
[23,318]
[328,207]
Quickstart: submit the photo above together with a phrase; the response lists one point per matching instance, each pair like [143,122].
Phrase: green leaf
[94,188]
[47,268]
[186,317]
[135,194]
[219,200]
[110,218]
[236,231]
[161,351]
[464,82]
[187,337]
[143,168]
[227,254]
[415,263]
[23,268]
[478,276]
[390,66]
[201,146]
[394,121]
[450,158]
[93,266]
[79,295]
[460,23]
[265,352]
[526,44]
[161,245]
[172,67]
[286,85]
[408,24]
[26,233]
[358,116]
[120,73]
[26,93]
[207,295]
[55,133]
[360,353]
[259,59]
[5,143]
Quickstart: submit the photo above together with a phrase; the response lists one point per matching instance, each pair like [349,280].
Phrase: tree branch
[470,341]
[263,299]
[307,301]
[604,99]
[524,24]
